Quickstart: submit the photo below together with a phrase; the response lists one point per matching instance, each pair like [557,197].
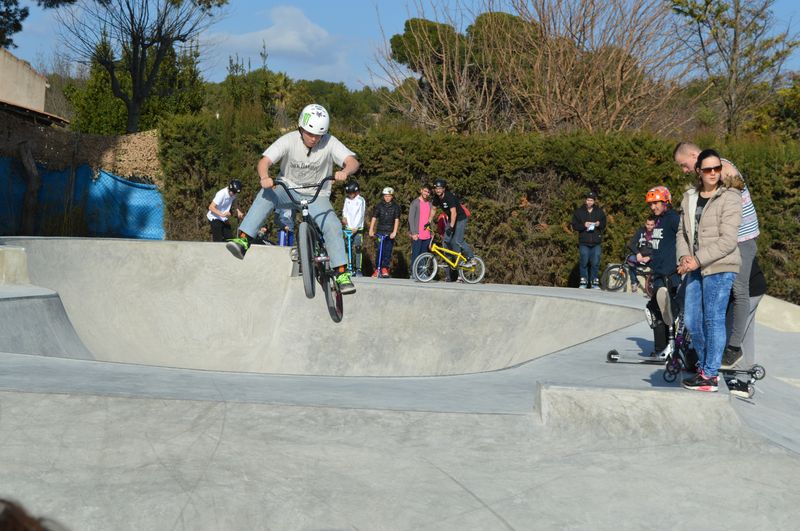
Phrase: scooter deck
[614,357]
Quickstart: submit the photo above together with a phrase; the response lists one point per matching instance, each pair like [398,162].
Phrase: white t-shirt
[299,167]
[354,210]
[224,201]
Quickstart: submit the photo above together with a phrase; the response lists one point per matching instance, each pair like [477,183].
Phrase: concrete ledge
[13,265]
[668,414]
[778,314]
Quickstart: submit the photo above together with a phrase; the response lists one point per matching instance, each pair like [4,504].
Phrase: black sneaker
[731,357]
[739,388]
[699,382]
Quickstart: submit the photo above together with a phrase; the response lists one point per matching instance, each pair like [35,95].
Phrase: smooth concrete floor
[563,441]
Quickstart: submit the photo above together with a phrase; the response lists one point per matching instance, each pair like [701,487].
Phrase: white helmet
[388,191]
[314,119]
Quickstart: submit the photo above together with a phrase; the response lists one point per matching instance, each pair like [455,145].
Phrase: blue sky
[313,39]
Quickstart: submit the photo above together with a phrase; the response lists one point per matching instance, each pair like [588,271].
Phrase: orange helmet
[659,193]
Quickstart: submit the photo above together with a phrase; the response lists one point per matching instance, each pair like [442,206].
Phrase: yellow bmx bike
[427,264]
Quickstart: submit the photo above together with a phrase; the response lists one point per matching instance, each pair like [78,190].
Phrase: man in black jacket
[589,221]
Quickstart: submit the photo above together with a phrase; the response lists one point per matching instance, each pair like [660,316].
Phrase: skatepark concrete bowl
[188,305]
[153,385]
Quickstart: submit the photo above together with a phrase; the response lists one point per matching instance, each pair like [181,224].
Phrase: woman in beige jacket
[709,259]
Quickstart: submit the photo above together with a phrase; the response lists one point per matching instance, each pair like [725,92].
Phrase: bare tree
[449,91]
[133,37]
[544,65]
[738,50]
[604,65]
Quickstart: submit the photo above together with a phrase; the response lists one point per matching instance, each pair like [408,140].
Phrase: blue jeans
[418,247]
[456,242]
[705,305]
[589,263]
[320,210]
[385,254]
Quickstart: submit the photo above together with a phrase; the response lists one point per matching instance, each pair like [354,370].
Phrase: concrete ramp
[33,321]
[192,305]
[633,414]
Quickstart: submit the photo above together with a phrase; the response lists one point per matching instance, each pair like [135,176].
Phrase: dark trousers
[221,231]
[386,254]
[589,264]
[418,247]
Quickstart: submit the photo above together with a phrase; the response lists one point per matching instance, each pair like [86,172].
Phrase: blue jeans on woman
[704,311]
[589,264]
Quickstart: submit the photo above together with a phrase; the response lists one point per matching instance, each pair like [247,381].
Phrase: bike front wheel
[425,267]
[614,278]
[474,274]
[305,251]
[333,297]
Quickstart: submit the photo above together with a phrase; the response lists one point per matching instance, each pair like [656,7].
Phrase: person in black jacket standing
[589,221]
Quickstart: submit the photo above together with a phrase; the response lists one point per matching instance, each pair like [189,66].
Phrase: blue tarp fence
[107,205]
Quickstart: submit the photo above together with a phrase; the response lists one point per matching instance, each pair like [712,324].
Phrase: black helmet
[235,186]
[440,182]
[351,187]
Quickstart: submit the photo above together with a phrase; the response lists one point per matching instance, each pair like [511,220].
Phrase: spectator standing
[710,259]
[685,155]
[758,288]
[353,213]
[456,225]
[385,222]
[663,264]
[589,221]
[219,211]
[419,215]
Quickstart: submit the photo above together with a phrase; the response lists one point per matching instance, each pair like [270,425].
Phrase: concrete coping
[13,265]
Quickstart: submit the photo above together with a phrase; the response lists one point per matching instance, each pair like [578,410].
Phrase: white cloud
[295,44]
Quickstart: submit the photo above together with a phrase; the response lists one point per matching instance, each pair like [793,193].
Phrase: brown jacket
[718,250]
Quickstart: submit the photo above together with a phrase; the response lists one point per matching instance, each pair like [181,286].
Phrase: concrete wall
[20,84]
[192,305]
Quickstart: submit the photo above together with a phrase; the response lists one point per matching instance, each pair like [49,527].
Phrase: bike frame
[442,253]
[303,205]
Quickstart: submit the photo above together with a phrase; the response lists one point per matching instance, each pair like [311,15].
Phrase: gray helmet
[235,186]
[351,187]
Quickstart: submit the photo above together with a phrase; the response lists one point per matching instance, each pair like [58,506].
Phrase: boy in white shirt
[353,213]
[219,210]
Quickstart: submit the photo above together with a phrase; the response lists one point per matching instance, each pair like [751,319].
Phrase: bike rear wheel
[333,297]
[305,250]
[472,275]
[425,267]
[614,278]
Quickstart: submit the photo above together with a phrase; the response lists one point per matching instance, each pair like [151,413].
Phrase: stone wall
[131,156]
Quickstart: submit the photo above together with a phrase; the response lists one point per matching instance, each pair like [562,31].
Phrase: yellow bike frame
[442,253]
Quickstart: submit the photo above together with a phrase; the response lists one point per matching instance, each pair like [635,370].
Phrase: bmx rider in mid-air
[306,156]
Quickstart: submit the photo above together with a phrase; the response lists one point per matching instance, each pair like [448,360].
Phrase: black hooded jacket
[581,216]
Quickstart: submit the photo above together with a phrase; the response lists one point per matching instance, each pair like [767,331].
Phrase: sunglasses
[711,168]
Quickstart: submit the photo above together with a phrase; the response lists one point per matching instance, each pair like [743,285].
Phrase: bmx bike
[427,264]
[615,276]
[312,255]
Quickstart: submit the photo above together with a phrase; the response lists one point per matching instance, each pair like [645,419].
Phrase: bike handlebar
[289,191]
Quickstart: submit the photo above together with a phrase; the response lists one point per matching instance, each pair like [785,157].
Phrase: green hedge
[523,188]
